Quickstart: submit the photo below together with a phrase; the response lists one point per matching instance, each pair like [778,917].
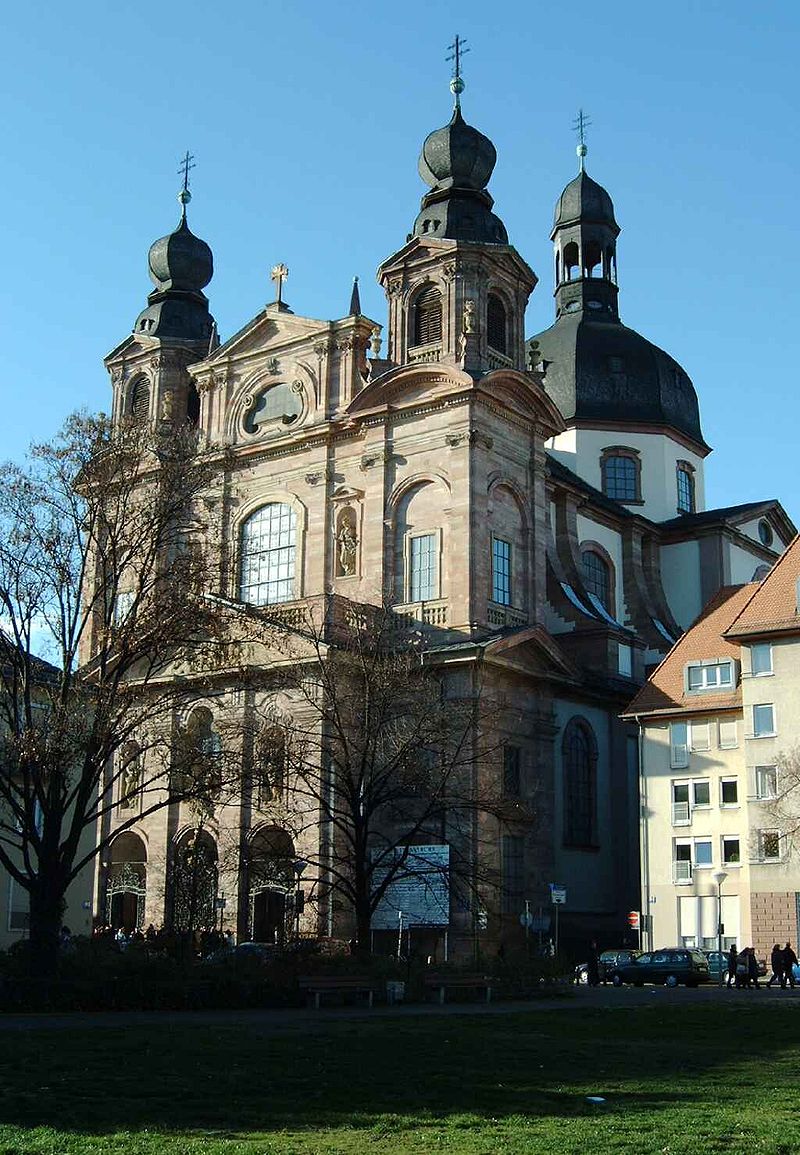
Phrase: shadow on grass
[236,1080]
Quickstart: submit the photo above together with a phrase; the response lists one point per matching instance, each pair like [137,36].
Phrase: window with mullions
[597,577]
[579,755]
[428,316]
[620,473]
[268,558]
[496,324]
[684,476]
[501,571]
[423,578]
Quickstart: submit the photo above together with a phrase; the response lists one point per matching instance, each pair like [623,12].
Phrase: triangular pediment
[535,652]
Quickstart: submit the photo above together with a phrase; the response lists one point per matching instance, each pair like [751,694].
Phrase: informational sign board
[420,892]
[558,894]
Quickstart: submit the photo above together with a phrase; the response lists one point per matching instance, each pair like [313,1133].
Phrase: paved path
[266,1021]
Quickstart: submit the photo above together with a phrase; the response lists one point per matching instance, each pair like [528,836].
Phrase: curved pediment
[523,393]
[411,385]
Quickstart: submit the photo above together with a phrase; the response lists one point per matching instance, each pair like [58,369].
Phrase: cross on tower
[457,50]
[279,274]
[186,165]
[579,125]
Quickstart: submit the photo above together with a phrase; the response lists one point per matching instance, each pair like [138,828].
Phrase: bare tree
[778,789]
[368,748]
[102,573]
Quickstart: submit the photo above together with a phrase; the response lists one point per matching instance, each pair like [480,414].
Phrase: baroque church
[534,506]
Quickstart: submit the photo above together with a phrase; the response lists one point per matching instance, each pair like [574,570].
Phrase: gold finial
[457,50]
[579,125]
[279,274]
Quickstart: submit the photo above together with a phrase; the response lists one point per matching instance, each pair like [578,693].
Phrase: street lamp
[719,878]
[299,866]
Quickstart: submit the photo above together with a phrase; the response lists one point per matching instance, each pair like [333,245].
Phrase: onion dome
[584,200]
[457,156]
[180,266]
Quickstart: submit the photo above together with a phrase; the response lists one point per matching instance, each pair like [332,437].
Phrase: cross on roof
[279,274]
[186,165]
[457,49]
[579,125]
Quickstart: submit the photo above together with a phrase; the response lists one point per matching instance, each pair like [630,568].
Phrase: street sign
[633,919]
[558,894]
[527,919]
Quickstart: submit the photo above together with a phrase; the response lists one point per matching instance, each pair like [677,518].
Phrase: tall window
[597,578]
[501,571]
[268,558]
[620,473]
[496,323]
[761,659]
[428,316]
[423,583]
[763,721]
[579,755]
[140,400]
[684,475]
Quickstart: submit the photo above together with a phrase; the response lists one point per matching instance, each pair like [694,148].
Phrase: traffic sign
[558,894]
[633,919]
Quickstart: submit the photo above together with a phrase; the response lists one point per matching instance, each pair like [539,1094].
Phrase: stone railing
[506,616]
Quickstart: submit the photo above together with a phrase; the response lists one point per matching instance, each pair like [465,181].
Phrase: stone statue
[346,546]
[469,316]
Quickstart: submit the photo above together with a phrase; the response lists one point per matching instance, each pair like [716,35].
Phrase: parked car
[669,967]
[609,959]
[713,957]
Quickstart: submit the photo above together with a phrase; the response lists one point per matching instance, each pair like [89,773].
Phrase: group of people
[783,961]
[743,967]
[175,944]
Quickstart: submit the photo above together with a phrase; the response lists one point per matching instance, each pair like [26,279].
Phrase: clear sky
[306,121]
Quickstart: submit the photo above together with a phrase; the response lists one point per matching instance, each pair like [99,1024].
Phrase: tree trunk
[47,905]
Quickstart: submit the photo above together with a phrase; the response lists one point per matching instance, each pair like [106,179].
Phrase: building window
[729,792]
[501,571]
[428,316]
[679,744]
[731,854]
[714,675]
[680,804]
[19,906]
[701,792]
[512,777]
[579,754]
[625,660]
[765,535]
[268,555]
[763,721]
[496,324]
[703,853]
[728,735]
[620,470]
[513,872]
[685,480]
[699,736]
[761,659]
[769,845]
[423,582]
[140,400]
[766,783]
[682,860]
[597,577]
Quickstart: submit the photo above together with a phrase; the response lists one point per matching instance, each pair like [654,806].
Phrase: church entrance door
[125,911]
[269,917]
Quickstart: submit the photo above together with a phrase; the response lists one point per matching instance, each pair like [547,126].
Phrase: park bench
[318,985]
[442,983]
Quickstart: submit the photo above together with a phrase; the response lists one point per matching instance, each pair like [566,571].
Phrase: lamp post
[719,878]
[299,866]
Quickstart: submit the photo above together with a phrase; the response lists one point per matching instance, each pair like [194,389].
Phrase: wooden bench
[442,983]
[318,985]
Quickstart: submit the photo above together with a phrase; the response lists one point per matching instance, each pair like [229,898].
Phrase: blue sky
[306,122]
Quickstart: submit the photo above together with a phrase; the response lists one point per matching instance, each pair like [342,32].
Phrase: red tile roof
[773,607]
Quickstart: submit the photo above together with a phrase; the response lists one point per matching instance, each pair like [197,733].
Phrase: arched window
[496,323]
[579,763]
[592,260]
[428,316]
[572,268]
[620,469]
[139,406]
[202,758]
[192,405]
[597,578]
[194,882]
[126,882]
[268,555]
[270,858]
[684,475]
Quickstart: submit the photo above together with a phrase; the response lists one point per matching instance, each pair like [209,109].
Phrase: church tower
[458,290]
[149,369]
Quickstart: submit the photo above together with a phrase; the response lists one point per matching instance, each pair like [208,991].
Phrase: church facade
[533,508]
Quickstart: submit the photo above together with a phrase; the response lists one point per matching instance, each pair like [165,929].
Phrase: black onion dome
[584,200]
[457,156]
[603,372]
[181,261]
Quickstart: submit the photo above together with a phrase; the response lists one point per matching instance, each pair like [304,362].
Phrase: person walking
[752,968]
[593,965]
[733,959]
[789,963]
[776,962]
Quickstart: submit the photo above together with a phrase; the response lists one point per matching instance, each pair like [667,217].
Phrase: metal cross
[186,165]
[279,274]
[579,125]
[457,50]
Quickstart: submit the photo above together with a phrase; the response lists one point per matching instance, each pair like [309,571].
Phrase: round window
[765,534]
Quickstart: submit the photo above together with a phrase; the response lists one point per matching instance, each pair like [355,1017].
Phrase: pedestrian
[732,961]
[789,963]
[593,965]
[752,968]
[776,962]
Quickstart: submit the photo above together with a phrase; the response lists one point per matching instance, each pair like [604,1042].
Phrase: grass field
[703,1079]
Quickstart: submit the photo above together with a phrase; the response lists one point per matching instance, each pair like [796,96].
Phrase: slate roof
[712,516]
[560,472]
[773,608]
[664,692]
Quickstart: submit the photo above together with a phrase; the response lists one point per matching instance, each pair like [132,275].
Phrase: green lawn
[676,1079]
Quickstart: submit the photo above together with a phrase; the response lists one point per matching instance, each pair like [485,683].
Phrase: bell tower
[458,290]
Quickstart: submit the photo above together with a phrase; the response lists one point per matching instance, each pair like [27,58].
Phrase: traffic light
[633,919]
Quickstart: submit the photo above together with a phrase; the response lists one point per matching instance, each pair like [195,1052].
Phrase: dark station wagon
[666,967]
